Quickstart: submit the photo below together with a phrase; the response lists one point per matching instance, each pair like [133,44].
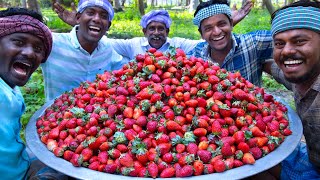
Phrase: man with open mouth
[83,53]
[247,53]
[25,42]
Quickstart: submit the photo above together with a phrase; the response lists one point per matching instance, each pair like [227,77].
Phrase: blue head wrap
[211,11]
[104,4]
[158,16]
[296,18]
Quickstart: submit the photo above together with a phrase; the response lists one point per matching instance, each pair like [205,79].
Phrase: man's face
[216,30]
[20,55]
[93,24]
[157,34]
[297,53]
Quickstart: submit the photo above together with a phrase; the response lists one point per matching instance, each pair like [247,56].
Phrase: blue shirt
[248,54]
[14,161]
[129,48]
[69,64]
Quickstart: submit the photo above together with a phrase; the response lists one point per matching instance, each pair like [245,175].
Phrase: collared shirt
[248,54]
[129,48]
[69,64]
[14,158]
[308,108]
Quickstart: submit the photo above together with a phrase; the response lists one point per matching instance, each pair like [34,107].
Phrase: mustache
[156,36]
[291,57]
[24,59]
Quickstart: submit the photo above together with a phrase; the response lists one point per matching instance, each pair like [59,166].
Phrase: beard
[306,77]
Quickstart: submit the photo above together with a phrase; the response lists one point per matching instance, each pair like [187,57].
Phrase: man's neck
[304,87]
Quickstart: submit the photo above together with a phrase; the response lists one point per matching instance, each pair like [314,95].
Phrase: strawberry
[126,160]
[152,169]
[240,94]
[226,150]
[244,147]
[256,132]
[216,127]
[220,166]
[192,148]
[180,148]
[110,168]
[256,152]
[167,157]
[168,172]
[164,148]
[67,155]
[204,155]
[208,169]
[287,132]
[252,107]
[237,163]
[173,126]
[86,154]
[186,171]
[248,158]
[229,162]
[200,132]
[198,167]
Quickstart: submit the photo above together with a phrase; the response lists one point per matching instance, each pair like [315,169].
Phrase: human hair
[209,3]
[21,11]
[304,3]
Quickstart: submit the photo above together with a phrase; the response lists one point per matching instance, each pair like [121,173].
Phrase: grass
[126,25]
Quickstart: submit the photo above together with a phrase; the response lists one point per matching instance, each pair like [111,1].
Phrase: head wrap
[158,16]
[211,11]
[26,24]
[104,4]
[296,18]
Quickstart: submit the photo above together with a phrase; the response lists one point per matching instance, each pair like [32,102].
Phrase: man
[155,26]
[296,33]
[25,42]
[246,53]
[83,53]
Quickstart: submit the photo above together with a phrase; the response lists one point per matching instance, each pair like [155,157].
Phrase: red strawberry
[226,150]
[208,169]
[256,132]
[204,155]
[111,168]
[237,163]
[192,148]
[168,172]
[240,94]
[256,152]
[126,160]
[198,167]
[186,171]
[153,169]
[220,165]
[86,154]
[248,158]
[244,147]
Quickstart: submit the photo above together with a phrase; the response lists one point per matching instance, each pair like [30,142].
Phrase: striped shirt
[248,54]
[129,48]
[69,64]
[14,161]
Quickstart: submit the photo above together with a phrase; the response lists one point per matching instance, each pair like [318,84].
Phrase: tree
[33,5]
[117,6]
[141,7]
[269,6]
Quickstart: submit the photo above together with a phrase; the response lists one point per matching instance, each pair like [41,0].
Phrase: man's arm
[69,17]
[238,15]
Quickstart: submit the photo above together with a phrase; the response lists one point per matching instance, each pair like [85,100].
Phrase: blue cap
[104,4]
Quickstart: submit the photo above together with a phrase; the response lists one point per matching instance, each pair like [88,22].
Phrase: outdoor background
[126,25]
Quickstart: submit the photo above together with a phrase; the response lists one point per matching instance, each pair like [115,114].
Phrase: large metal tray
[61,165]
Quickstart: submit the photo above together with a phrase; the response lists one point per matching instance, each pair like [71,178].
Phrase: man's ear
[200,32]
[144,30]
[168,30]
[78,15]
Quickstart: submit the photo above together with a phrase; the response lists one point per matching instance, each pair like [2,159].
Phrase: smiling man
[247,53]
[83,53]
[25,42]
[296,33]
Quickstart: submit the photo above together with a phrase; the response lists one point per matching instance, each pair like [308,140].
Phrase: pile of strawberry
[164,115]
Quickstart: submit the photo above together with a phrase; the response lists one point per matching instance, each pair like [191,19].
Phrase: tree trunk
[33,5]
[122,3]
[141,7]
[24,3]
[152,3]
[193,5]
[117,6]
[269,6]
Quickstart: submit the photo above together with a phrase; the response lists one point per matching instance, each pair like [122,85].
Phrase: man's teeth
[218,38]
[26,64]
[156,38]
[292,62]
[94,28]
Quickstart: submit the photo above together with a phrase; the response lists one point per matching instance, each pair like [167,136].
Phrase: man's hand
[238,15]
[65,15]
